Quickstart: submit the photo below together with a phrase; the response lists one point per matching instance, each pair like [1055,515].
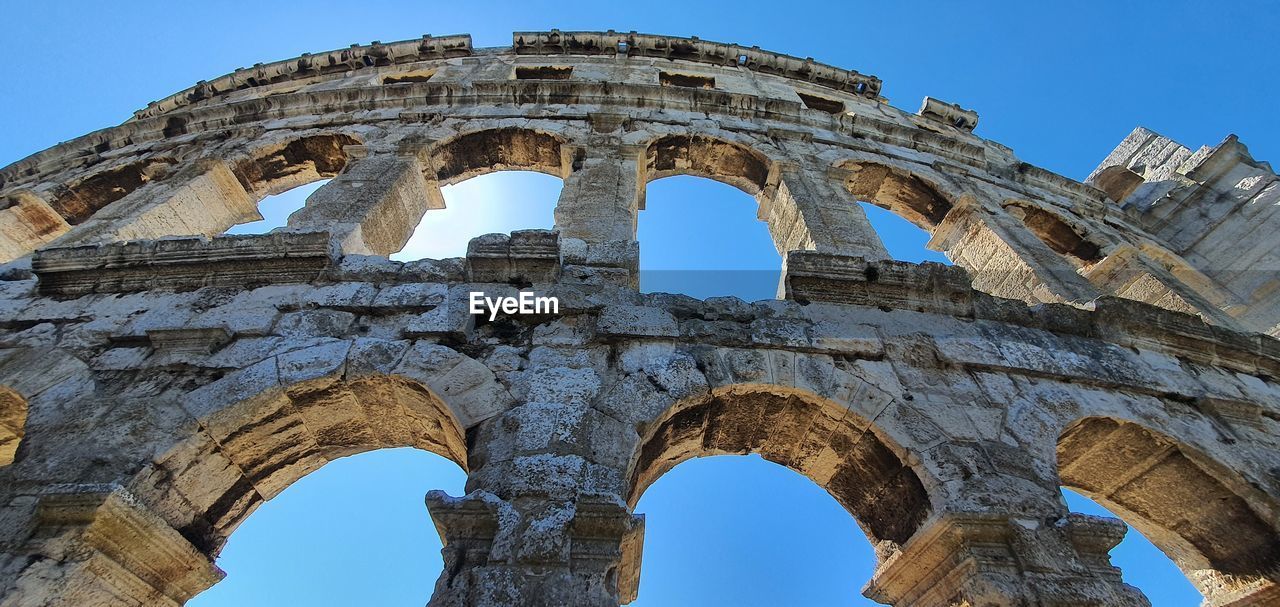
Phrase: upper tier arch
[551,102]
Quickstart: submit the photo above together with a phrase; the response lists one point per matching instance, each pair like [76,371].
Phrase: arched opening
[902,208]
[78,202]
[901,192]
[1143,565]
[354,532]
[1188,506]
[1118,182]
[491,181]
[811,435]
[818,438]
[13,419]
[505,149]
[743,531]
[1061,236]
[284,166]
[281,177]
[700,156]
[275,209]
[499,202]
[678,254]
[904,240]
[250,449]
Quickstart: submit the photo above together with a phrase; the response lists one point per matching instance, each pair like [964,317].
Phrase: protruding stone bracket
[1233,412]
[615,263]
[524,257]
[948,113]
[119,547]
[182,263]
[927,287]
[188,340]
[469,525]
[602,122]
[609,537]
[993,559]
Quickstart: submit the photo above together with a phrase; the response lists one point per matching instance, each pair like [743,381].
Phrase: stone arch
[1061,236]
[705,156]
[282,166]
[819,438]
[254,449]
[26,375]
[903,192]
[262,428]
[78,201]
[1117,181]
[1187,504]
[500,149]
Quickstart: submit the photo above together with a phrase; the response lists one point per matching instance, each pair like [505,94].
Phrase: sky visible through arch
[1060,84]
[728,530]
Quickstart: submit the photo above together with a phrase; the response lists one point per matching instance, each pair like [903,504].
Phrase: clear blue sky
[1060,84]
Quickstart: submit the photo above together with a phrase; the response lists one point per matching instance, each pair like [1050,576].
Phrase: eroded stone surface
[154,392]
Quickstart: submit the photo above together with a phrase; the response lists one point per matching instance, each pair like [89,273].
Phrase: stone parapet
[182,264]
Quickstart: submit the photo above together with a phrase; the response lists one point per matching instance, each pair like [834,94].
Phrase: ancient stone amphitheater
[160,380]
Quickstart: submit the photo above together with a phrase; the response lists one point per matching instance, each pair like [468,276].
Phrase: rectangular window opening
[686,80]
[543,72]
[822,104]
[418,76]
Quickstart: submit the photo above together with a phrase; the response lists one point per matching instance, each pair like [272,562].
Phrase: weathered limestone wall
[159,381]
[1215,208]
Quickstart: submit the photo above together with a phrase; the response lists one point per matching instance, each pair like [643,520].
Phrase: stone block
[636,321]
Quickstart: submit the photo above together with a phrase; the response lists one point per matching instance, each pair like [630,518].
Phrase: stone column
[203,198]
[97,546]
[1005,258]
[545,521]
[374,204]
[808,210]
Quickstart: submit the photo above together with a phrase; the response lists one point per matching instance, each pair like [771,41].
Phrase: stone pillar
[597,212]
[545,521]
[1005,258]
[993,559]
[374,204]
[26,222]
[602,196]
[809,210]
[203,198]
[583,552]
[98,546]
